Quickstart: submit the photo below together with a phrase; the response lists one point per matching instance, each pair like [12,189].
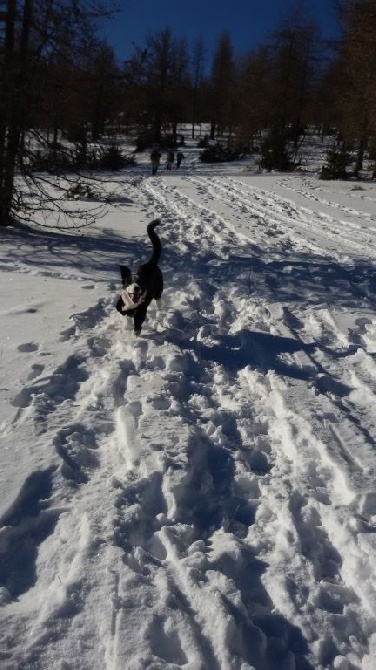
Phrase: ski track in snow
[202,508]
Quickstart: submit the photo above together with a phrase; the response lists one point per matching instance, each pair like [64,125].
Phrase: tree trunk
[174,132]
[55,139]
[360,155]
[6,139]
[194,111]
[14,122]
[157,122]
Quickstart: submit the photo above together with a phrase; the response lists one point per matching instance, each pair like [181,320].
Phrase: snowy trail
[288,222]
[210,501]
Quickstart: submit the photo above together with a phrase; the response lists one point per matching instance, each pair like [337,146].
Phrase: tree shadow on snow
[260,350]
[93,253]
[24,527]
[263,638]
[97,253]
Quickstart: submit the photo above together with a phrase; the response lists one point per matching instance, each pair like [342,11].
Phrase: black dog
[147,284]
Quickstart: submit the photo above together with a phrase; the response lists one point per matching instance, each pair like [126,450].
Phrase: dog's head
[133,293]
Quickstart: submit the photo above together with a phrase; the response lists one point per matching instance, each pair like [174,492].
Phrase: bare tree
[255,111]
[178,94]
[159,75]
[222,86]
[14,79]
[39,37]
[160,51]
[292,65]
[198,65]
[357,58]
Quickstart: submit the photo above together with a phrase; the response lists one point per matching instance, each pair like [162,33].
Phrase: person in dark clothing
[179,158]
[170,159]
[155,158]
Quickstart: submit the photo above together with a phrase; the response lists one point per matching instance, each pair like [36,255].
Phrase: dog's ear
[126,276]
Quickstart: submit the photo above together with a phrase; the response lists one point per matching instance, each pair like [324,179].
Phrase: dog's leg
[139,318]
[120,305]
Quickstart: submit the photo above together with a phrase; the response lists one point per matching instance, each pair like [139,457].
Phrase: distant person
[179,158]
[170,159]
[155,158]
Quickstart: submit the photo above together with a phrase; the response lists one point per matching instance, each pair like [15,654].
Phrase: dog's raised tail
[157,247]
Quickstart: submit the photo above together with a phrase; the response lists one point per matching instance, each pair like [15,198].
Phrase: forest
[62,91]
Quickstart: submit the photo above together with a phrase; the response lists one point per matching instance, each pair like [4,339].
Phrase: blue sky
[249,22]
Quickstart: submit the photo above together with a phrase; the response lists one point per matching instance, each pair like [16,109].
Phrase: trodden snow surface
[203,496]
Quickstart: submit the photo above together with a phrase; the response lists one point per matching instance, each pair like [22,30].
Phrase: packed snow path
[209,501]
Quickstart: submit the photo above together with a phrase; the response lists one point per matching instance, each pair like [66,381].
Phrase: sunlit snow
[202,497]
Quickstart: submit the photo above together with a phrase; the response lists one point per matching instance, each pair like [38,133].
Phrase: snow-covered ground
[203,496]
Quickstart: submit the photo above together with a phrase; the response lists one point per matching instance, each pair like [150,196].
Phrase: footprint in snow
[76,445]
[161,403]
[36,371]
[28,347]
